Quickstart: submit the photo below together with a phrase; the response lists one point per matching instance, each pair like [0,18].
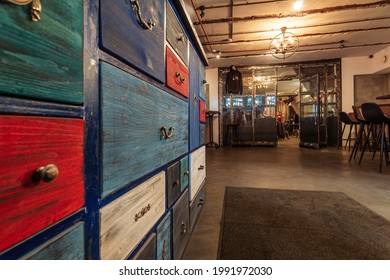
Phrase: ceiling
[242,30]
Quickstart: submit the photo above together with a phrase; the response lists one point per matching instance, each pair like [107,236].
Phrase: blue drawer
[184,173]
[133,114]
[42,59]
[126,32]
[194,99]
[66,246]
[164,239]
[202,81]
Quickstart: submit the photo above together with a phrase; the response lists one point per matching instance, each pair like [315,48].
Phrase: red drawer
[202,111]
[31,200]
[177,74]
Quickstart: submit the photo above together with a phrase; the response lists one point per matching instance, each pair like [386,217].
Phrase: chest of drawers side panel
[43,59]
[133,114]
[28,203]
[126,220]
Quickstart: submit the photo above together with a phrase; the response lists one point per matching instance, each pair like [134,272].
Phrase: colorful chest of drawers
[198,170]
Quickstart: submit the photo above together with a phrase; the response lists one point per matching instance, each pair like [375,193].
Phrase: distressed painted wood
[202,133]
[202,111]
[176,36]
[198,170]
[123,36]
[164,239]
[44,59]
[27,143]
[177,74]
[202,81]
[194,100]
[197,205]
[133,113]
[173,183]
[184,173]
[125,221]
[181,226]
[68,245]
[148,250]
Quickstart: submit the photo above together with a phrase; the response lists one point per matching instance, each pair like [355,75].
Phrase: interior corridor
[284,167]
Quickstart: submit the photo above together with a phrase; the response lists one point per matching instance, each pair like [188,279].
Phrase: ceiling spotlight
[298,5]
[342,44]
[218,54]
[202,8]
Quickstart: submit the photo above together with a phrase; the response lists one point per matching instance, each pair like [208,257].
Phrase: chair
[232,128]
[375,116]
[350,120]
[361,133]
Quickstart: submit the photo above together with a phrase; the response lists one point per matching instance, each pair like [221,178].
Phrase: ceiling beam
[298,14]
[348,31]
[239,4]
[300,27]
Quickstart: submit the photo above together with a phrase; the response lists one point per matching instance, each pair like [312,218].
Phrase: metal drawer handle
[180,37]
[201,167]
[142,213]
[176,183]
[46,173]
[183,228]
[201,202]
[203,82]
[165,134]
[137,10]
[180,77]
[36,7]
[186,173]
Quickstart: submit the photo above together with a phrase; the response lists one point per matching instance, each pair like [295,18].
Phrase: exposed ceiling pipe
[204,32]
[240,4]
[231,22]
[299,36]
[305,51]
[300,27]
[299,14]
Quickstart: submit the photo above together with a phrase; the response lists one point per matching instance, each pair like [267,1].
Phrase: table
[386,96]
[210,115]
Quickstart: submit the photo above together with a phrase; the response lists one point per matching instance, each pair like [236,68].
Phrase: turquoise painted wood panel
[164,242]
[133,113]
[43,59]
[184,173]
[66,246]
[194,99]
[202,81]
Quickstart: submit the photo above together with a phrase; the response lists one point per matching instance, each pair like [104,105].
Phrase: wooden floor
[284,167]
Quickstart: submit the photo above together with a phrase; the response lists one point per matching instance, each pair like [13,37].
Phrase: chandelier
[284,44]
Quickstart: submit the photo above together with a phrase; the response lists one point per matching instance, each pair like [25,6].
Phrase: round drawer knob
[46,173]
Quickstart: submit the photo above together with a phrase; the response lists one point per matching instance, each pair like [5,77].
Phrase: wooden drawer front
[27,204]
[181,226]
[43,59]
[123,36]
[184,173]
[202,111]
[126,220]
[202,81]
[66,246]
[202,134]
[198,170]
[164,239]
[194,100]
[133,114]
[173,183]
[176,36]
[148,250]
[197,205]
[177,74]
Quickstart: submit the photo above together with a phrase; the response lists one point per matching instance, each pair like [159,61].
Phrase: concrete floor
[284,167]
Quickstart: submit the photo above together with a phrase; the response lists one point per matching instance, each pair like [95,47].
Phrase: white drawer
[198,170]
[125,221]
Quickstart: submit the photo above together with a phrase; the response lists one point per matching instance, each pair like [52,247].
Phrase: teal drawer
[133,114]
[66,246]
[164,239]
[42,59]
[184,173]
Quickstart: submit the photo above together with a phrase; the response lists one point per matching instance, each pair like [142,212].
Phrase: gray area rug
[268,224]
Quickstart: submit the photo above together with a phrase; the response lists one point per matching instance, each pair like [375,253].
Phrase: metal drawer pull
[137,10]
[201,202]
[176,183]
[165,134]
[180,37]
[183,228]
[142,213]
[36,7]
[203,82]
[201,167]
[46,173]
[186,173]
[180,77]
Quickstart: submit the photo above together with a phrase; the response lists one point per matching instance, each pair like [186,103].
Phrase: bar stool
[361,133]
[375,116]
[346,119]
[232,128]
